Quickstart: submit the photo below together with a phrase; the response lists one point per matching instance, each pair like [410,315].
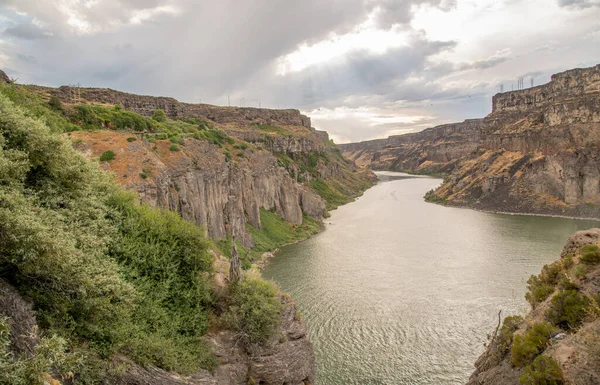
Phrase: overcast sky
[361,69]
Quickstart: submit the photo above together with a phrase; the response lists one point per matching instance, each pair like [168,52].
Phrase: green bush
[107,156]
[146,173]
[131,139]
[529,345]
[49,356]
[254,310]
[542,286]
[590,254]
[543,371]
[568,308]
[55,103]
[174,147]
[506,333]
[159,116]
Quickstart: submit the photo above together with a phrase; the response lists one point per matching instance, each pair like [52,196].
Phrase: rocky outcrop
[574,350]
[146,105]
[536,152]
[287,359]
[4,77]
[202,184]
[24,335]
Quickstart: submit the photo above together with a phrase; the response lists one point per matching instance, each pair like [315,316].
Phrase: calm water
[400,291]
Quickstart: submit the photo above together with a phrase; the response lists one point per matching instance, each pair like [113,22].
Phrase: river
[400,291]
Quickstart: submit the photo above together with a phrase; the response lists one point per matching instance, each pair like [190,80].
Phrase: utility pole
[228,101]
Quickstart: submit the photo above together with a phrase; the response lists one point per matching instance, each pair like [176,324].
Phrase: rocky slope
[287,358]
[558,342]
[536,152]
[277,159]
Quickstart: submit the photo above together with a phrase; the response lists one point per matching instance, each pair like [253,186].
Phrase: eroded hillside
[536,152]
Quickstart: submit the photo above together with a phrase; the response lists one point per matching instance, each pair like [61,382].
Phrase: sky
[361,69]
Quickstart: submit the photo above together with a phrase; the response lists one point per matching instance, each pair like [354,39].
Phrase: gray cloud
[27,32]
[579,3]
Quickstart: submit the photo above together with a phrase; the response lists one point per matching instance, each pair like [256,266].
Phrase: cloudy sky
[361,69]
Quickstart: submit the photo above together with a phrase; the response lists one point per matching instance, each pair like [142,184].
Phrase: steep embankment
[558,342]
[535,153]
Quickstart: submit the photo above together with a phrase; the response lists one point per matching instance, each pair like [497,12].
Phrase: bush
[568,308]
[131,139]
[159,116]
[177,140]
[55,103]
[542,286]
[107,156]
[506,333]
[49,356]
[543,371]
[590,254]
[529,345]
[174,147]
[254,310]
[146,173]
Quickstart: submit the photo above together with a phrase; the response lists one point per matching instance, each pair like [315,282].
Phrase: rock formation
[202,185]
[574,349]
[536,152]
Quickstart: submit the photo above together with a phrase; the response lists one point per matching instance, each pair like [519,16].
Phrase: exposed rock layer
[536,152]
[202,185]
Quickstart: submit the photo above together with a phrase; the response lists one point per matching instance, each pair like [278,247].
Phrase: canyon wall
[536,152]
[202,185]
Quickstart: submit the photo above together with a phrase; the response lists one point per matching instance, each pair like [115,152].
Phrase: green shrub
[580,272]
[542,286]
[568,308]
[506,333]
[131,139]
[55,103]
[107,156]
[146,173]
[590,254]
[174,147]
[567,261]
[254,310]
[159,116]
[241,154]
[529,345]
[49,356]
[177,140]
[543,371]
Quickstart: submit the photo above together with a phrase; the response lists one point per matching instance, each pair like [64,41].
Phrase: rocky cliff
[536,152]
[199,182]
[558,341]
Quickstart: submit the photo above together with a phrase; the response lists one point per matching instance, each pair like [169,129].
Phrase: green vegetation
[107,275]
[131,139]
[430,196]
[542,286]
[529,345]
[174,147]
[273,129]
[107,156]
[55,103]
[146,173]
[159,116]
[254,310]
[590,254]
[568,308]
[49,356]
[506,333]
[277,232]
[543,371]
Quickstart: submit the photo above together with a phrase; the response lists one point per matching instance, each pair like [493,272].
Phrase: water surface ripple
[400,291]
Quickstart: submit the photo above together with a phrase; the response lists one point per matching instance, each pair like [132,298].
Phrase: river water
[400,291]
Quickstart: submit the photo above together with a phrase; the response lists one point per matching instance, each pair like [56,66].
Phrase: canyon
[536,152]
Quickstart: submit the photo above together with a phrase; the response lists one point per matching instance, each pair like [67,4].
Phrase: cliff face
[536,152]
[566,350]
[202,185]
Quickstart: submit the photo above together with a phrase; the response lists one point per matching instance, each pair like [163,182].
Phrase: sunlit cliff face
[361,68]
